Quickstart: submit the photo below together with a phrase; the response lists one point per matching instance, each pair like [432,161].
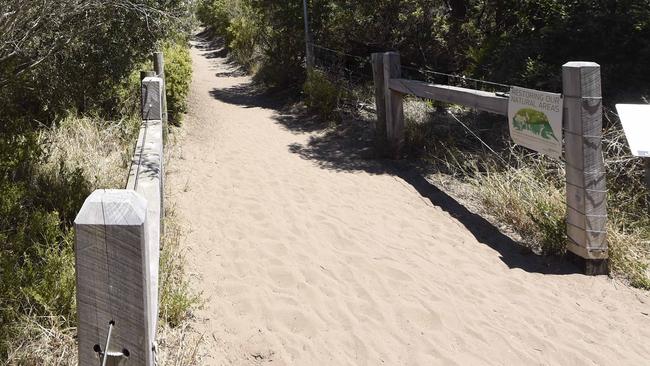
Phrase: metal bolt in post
[105,355]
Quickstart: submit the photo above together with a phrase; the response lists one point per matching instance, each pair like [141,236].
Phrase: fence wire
[436,77]
[352,71]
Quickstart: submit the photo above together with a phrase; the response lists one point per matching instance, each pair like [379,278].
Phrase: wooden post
[585,169]
[152,104]
[394,105]
[381,140]
[113,279]
[159,68]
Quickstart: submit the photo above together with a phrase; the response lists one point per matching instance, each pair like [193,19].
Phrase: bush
[214,14]
[266,37]
[79,58]
[242,37]
[37,261]
[178,75]
[321,94]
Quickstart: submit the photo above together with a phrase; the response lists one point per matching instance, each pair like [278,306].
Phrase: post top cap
[154,79]
[581,64]
[113,207]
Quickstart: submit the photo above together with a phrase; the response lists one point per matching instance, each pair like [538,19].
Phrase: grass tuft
[100,150]
[44,341]
[177,300]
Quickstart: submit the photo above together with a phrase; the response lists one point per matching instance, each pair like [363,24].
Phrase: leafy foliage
[37,257]
[178,76]
[60,59]
[321,94]
[517,42]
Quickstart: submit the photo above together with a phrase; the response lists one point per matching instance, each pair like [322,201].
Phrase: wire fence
[538,181]
[354,72]
[348,70]
[436,77]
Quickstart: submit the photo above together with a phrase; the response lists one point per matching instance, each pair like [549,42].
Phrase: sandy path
[304,264]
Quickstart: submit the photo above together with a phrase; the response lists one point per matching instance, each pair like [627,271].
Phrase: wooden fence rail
[586,194]
[117,248]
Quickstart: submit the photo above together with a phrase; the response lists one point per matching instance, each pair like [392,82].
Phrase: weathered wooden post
[113,280]
[152,92]
[159,68]
[394,105]
[585,168]
[381,139]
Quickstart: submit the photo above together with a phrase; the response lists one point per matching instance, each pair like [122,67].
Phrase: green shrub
[178,75]
[128,90]
[264,37]
[242,37]
[321,94]
[37,261]
[214,14]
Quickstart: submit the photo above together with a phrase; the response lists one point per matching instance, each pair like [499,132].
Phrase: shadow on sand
[349,147]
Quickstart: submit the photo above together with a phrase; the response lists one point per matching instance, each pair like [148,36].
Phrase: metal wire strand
[460,77]
[359,58]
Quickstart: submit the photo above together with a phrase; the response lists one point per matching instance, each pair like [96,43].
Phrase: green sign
[535,120]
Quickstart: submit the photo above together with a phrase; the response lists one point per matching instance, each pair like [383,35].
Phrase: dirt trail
[306,258]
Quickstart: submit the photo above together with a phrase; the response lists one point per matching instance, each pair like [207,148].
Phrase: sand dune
[309,264]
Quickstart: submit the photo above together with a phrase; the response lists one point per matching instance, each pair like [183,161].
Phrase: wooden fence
[586,194]
[117,248]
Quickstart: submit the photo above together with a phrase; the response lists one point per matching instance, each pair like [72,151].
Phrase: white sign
[636,123]
[535,120]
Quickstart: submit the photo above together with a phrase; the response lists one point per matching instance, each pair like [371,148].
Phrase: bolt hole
[97,348]
[112,322]
[126,352]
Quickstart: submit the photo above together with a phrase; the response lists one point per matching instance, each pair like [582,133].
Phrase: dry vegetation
[101,150]
[178,343]
[79,144]
[526,191]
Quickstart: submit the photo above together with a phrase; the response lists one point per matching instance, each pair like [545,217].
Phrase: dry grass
[527,191]
[177,300]
[102,152]
[517,199]
[44,341]
[178,343]
[100,149]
